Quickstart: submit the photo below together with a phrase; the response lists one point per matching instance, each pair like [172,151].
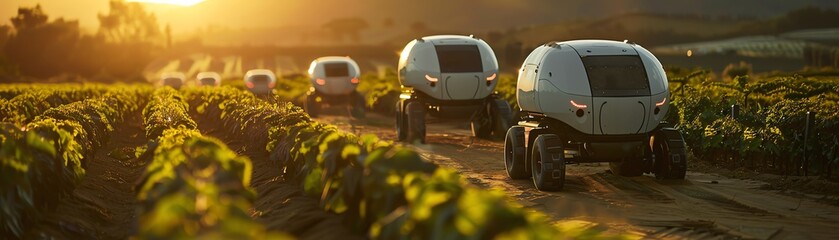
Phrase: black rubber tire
[481,124]
[514,153]
[357,107]
[501,115]
[311,105]
[547,157]
[415,116]
[669,154]
[401,124]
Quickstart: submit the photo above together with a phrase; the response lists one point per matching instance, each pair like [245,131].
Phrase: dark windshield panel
[260,79]
[459,58]
[208,81]
[336,69]
[616,76]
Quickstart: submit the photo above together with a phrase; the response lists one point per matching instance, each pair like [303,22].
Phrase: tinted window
[336,69]
[173,82]
[459,58]
[260,79]
[208,81]
[616,76]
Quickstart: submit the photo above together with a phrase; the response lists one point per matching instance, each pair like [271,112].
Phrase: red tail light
[249,84]
[354,80]
[577,105]
[659,104]
[320,81]
[272,84]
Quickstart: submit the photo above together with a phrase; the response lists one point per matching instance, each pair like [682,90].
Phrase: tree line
[37,46]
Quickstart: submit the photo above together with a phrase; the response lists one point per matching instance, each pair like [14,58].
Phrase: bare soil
[708,205]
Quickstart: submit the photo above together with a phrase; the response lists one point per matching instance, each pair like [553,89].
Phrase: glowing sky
[186,15]
[185,3]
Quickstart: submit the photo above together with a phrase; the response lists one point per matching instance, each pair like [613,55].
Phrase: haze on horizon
[467,15]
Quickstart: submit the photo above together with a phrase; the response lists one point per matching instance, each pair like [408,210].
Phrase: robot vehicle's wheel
[480,124]
[312,106]
[514,153]
[548,163]
[494,121]
[415,119]
[669,154]
[357,106]
[502,117]
[401,124]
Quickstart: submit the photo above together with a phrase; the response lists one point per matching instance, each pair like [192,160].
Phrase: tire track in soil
[705,206]
[103,205]
[280,205]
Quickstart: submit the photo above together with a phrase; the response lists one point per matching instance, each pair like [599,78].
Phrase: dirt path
[103,205]
[703,206]
[280,205]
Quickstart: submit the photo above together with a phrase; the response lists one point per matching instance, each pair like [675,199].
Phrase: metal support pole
[808,133]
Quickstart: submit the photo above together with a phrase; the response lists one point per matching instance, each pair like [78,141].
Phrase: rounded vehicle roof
[173,75]
[594,43]
[334,59]
[259,72]
[208,75]
[442,38]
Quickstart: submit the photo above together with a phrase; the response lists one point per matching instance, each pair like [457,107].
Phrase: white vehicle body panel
[206,76]
[174,79]
[555,81]
[420,69]
[334,85]
[252,81]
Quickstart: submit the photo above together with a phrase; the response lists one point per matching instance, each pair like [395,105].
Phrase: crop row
[43,161]
[768,128]
[29,103]
[381,189]
[194,186]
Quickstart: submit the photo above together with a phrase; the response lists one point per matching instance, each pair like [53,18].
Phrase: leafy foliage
[385,190]
[770,129]
[194,186]
[43,161]
[29,103]
[166,109]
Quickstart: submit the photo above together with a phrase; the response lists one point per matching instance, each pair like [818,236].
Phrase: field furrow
[280,205]
[44,161]
[104,204]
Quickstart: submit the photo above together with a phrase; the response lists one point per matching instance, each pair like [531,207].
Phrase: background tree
[28,18]
[128,22]
[41,48]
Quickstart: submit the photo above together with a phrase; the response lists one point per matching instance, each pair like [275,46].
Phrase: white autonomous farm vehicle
[592,101]
[211,79]
[450,76]
[260,81]
[334,82]
[175,80]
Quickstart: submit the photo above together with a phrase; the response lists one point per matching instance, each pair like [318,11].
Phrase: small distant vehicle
[334,82]
[450,76]
[592,101]
[173,79]
[211,79]
[260,81]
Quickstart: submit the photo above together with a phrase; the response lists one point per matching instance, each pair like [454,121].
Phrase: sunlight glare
[185,3]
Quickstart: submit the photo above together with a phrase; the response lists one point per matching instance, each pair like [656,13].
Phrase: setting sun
[172,2]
